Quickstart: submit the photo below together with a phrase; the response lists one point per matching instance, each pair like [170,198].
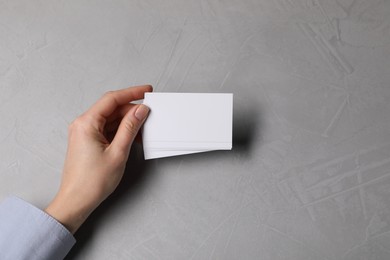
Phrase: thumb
[129,127]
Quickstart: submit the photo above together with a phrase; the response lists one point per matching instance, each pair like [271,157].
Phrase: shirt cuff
[27,232]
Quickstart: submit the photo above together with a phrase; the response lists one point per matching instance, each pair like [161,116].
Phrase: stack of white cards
[185,123]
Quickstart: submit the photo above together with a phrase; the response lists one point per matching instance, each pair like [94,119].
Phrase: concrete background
[309,175]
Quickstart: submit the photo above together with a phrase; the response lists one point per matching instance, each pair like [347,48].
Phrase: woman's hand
[98,147]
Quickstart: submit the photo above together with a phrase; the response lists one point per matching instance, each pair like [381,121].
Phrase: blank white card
[185,123]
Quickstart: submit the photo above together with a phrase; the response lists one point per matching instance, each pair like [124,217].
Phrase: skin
[99,143]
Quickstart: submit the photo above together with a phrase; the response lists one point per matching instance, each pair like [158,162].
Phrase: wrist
[68,213]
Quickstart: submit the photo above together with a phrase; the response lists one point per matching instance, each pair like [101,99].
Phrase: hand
[99,144]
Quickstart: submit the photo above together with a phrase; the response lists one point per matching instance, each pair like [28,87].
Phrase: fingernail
[141,112]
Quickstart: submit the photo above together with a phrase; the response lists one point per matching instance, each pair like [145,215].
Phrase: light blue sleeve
[27,232]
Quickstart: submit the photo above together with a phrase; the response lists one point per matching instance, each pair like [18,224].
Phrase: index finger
[107,104]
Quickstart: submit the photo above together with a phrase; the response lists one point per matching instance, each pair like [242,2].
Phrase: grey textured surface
[309,175]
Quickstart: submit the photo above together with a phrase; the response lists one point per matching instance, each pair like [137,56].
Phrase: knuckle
[78,123]
[109,93]
[111,96]
[73,124]
[131,127]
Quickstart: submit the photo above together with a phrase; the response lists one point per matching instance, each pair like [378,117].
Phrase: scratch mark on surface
[384,248]
[191,65]
[34,151]
[336,117]
[338,30]
[292,239]
[174,214]
[9,133]
[290,3]
[236,59]
[169,57]
[151,252]
[39,157]
[141,243]
[225,78]
[269,102]
[13,164]
[346,190]
[184,50]
[346,9]
[303,196]
[150,37]
[213,251]
[385,233]
[221,224]
[280,191]
[366,231]
[331,181]
[21,75]
[231,232]
[355,171]
[285,5]
[211,8]
[260,195]
[317,166]
[361,191]
[326,15]
[43,45]
[353,248]
[316,81]
[330,55]
[365,240]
